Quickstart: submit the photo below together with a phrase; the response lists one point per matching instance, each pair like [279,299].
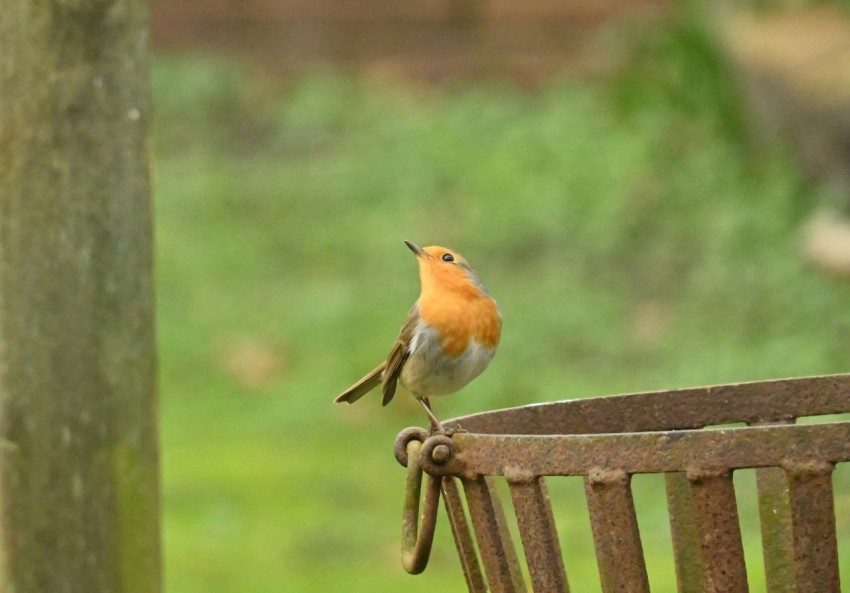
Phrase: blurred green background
[632,233]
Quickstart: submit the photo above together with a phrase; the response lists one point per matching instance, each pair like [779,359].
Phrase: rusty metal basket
[607,440]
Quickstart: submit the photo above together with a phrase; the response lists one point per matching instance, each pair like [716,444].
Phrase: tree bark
[79,487]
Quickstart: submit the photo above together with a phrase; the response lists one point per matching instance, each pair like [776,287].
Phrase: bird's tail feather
[363,386]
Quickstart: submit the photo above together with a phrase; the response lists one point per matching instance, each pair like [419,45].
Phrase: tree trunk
[79,488]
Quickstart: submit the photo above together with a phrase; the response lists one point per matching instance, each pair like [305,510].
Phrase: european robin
[448,338]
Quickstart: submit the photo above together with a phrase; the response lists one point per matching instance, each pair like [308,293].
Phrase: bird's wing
[363,386]
[399,353]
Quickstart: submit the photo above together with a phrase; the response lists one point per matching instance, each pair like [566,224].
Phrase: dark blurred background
[655,192]
[432,40]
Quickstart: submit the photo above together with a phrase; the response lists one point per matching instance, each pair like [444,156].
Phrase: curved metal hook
[416,542]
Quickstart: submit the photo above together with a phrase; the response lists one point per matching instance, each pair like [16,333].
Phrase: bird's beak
[417,251]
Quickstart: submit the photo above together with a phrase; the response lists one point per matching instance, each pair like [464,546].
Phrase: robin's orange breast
[460,320]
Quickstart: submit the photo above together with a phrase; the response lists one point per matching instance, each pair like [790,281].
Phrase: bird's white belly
[429,372]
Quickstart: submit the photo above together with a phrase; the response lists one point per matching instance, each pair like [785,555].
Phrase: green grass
[631,236]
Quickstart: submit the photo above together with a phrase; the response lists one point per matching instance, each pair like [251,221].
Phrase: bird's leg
[435,424]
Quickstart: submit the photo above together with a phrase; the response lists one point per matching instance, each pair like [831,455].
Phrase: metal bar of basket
[718,531]
[690,408]
[539,534]
[494,541]
[647,452]
[463,538]
[686,554]
[813,525]
[415,541]
[776,536]
[619,552]
[775,520]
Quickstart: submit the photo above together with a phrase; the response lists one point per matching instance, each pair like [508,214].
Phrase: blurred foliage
[632,237]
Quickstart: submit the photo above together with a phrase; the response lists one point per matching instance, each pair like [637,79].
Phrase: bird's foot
[436,425]
[452,430]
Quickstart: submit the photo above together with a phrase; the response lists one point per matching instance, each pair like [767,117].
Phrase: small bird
[448,338]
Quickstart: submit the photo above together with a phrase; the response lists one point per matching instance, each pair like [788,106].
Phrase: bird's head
[443,269]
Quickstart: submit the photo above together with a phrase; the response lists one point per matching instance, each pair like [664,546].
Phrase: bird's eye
[448,257]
